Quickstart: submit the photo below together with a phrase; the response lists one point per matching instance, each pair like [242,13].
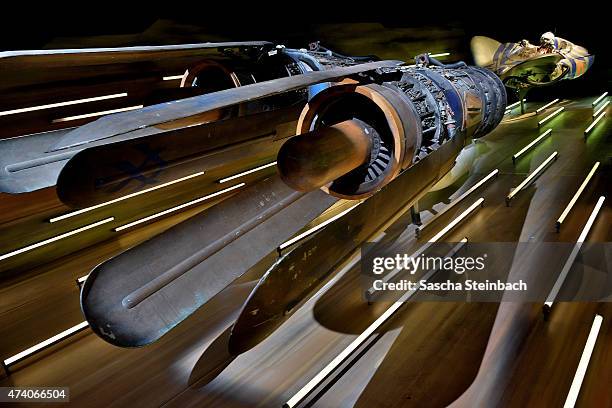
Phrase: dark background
[389,30]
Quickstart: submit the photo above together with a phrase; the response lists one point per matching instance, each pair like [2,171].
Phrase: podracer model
[384,135]
[376,133]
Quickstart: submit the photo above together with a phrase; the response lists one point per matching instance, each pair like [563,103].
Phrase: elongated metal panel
[134,49]
[203,255]
[152,115]
[109,171]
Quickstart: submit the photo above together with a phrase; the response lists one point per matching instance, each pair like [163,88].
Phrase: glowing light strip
[530,145]
[572,257]
[316,228]
[575,197]
[42,345]
[80,281]
[125,197]
[244,173]
[601,108]
[515,104]
[355,344]
[530,177]
[572,396]
[457,220]
[457,201]
[552,115]
[59,104]
[172,77]
[178,207]
[370,292]
[56,238]
[540,109]
[592,125]
[596,101]
[442,54]
[90,115]
[340,358]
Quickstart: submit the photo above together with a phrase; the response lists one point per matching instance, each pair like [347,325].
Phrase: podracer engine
[354,139]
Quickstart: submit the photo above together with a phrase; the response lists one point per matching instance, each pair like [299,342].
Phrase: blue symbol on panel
[137,172]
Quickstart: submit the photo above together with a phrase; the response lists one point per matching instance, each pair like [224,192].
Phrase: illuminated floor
[429,355]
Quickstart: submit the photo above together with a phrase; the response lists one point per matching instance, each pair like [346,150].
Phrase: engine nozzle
[314,159]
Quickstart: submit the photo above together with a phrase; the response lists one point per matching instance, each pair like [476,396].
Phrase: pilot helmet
[548,39]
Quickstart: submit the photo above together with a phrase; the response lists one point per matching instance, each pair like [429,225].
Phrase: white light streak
[572,257]
[125,197]
[94,114]
[552,115]
[56,238]
[596,101]
[592,125]
[441,54]
[178,207]
[572,396]
[172,77]
[540,109]
[530,145]
[601,108]
[530,177]
[316,228]
[244,173]
[575,197]
[52,340]
[60,104]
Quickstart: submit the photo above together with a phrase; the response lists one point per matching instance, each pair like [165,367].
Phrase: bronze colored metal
[401,120]
[314,159]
